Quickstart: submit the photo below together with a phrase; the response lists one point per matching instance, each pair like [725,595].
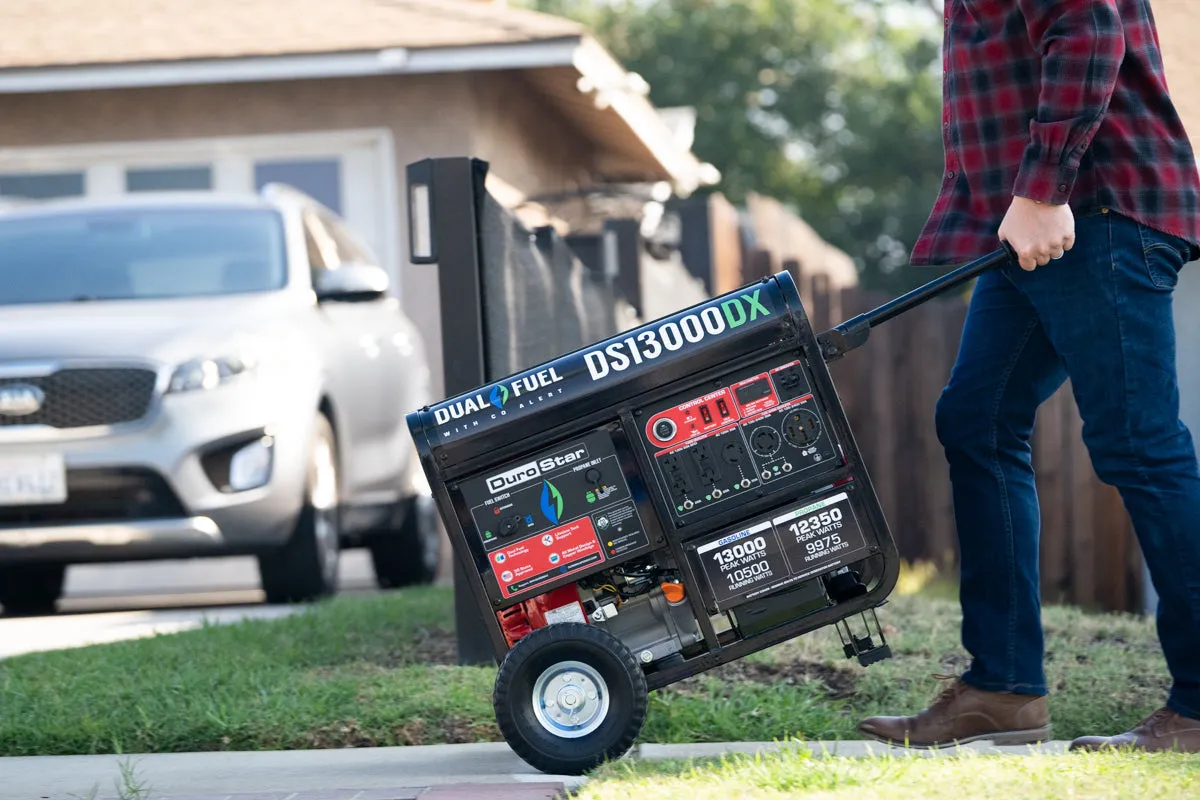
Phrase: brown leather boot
[963,714]
[1162,730]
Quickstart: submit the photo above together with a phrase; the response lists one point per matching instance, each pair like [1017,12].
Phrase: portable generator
[660,503]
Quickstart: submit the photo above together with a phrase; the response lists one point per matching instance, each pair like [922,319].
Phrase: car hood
[167,331]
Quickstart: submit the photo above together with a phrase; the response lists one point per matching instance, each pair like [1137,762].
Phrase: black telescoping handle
[853,333]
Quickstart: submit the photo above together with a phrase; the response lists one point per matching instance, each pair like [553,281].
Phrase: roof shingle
[45,33]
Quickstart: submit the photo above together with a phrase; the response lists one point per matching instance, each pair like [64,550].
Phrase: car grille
[85,397]
[101,495]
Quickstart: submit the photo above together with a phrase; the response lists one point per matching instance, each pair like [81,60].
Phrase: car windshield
[123,254]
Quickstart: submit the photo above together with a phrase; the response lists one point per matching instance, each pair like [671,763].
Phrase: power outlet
[706,465]
[764,440]
[801,428]
[790,383]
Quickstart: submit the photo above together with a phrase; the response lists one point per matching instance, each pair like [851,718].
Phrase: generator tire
[566,662]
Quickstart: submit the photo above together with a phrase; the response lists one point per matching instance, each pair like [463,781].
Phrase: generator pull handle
[853,333]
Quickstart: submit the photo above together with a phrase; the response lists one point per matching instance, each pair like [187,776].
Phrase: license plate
[32,480]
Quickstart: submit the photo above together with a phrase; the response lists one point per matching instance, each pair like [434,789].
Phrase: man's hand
[1038,232]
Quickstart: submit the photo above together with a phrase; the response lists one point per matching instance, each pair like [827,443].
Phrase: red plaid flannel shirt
[1058,101]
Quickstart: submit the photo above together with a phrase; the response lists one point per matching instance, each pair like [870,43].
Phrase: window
[168,179]
[42,186]
[319,178]
[139,253]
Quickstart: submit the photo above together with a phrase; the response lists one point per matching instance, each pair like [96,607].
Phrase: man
[1061,140]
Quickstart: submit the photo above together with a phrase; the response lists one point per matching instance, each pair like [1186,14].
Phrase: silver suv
[204,375]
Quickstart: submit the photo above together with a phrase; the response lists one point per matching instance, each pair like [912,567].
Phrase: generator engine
[657,504]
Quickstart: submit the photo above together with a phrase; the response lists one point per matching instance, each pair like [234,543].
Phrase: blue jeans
[1101,316]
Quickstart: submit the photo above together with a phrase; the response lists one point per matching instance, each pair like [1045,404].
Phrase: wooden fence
[1089,556]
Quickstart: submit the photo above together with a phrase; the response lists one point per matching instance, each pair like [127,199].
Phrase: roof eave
[598,71]
[612,87]
[292,66]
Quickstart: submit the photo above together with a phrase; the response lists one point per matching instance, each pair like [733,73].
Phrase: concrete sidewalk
[437,772]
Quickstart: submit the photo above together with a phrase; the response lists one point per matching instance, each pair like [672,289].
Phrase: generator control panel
[760,428]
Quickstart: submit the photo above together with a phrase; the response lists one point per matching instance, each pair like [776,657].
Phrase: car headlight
[208,373]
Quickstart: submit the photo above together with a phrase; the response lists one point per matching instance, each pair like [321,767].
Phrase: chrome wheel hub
[570,699]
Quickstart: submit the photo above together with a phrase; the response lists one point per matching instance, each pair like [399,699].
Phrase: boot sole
[999,739]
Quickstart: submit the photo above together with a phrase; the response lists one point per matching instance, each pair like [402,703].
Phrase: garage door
[350,172]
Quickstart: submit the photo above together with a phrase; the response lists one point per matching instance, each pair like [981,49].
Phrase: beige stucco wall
[1178,23]
[490,116]
[527,142]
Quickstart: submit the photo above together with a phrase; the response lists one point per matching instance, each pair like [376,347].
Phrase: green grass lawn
[1074,776]
[379,671]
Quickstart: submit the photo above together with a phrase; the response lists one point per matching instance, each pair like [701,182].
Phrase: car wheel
[31,589]
[306,568]
[412,553]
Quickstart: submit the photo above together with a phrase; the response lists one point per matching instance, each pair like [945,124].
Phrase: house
[334,98]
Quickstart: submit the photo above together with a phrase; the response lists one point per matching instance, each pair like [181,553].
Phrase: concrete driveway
[106,603]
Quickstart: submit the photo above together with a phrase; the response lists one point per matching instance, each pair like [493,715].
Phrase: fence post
[759,265]
[626,236]
[444,230]
[696,239]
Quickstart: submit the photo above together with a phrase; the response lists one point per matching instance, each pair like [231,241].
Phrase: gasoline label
[737,564]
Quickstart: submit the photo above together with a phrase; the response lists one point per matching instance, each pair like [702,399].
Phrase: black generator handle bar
[853,333]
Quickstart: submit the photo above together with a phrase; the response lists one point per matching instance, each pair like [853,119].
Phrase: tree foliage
[831,106]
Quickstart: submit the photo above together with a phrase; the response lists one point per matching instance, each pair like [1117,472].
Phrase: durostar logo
[528,471]
[552,502]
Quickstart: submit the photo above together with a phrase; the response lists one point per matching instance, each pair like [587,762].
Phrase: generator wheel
[569,697]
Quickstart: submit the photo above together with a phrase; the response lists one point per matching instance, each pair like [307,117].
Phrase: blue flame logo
[499,396]
[552,502]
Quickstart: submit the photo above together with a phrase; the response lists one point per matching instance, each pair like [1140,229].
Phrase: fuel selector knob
[664,430]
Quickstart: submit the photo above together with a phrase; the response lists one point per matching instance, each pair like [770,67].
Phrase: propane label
[539,559]
[821,535]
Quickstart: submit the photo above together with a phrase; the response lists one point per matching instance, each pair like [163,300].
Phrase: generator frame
[457,453]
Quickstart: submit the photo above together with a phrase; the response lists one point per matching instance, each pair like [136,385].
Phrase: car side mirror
[351,283]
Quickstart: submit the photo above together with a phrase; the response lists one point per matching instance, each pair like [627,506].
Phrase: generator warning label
[522,565]
[620,529]
[820,535]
